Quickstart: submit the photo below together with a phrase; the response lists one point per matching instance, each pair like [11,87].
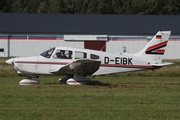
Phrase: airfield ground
[151,95]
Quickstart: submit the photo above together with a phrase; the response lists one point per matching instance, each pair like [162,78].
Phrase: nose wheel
[29,80]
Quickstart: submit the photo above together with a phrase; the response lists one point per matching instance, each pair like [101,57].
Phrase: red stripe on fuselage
[128,66]
[41,62]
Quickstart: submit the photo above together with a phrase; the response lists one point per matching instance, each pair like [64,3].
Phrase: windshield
[47,53]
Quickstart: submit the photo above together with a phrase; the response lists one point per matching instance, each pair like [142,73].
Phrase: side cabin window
[93,56]
[80,55]
[63,54]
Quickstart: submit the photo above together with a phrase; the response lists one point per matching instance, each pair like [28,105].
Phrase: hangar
[24,34]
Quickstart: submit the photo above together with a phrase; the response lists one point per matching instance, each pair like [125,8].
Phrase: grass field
[149,95]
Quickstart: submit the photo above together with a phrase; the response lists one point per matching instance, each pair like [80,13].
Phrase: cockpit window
[48,53]
[63,54]
[93,56]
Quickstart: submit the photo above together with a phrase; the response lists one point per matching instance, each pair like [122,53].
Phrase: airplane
[77,63]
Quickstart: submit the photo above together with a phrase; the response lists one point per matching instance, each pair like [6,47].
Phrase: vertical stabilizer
[155,49]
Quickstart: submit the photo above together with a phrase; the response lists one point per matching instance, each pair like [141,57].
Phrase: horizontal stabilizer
[163,64]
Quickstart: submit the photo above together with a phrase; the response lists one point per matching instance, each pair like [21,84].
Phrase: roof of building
[87,23]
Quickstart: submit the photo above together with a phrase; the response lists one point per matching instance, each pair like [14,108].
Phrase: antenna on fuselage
[103,47]
[105,43]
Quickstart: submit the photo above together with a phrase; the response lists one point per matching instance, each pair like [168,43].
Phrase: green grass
[152,98]
[145,95]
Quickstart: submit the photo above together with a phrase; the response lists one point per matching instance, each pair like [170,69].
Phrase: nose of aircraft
[10,61]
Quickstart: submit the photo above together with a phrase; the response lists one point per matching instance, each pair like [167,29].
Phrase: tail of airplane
[155,49]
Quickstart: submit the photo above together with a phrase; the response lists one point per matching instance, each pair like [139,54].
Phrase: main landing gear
[76,80]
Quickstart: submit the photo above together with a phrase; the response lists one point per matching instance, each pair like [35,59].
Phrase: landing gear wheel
[64,79]
[78,80]
[29,82]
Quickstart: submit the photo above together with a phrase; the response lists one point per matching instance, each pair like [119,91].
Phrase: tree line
[143,7]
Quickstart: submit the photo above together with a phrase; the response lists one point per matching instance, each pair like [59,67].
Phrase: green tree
[5,5]
[19,6]
[171,7]
[148,7]
[116,6]
[92,7]
[127,7]
[43,7]
[104,7]
[80,6]
[56,6]
[32,6]
[69,6]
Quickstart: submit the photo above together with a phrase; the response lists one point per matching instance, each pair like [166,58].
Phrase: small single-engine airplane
[76,64]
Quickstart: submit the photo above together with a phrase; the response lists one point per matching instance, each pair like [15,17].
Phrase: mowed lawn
[105,98]
[145,95]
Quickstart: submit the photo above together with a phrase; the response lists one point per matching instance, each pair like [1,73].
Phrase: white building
[31,34]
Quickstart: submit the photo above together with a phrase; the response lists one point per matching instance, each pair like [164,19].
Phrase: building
[30,34]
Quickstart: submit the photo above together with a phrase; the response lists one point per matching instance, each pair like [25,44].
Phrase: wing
[81,66]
